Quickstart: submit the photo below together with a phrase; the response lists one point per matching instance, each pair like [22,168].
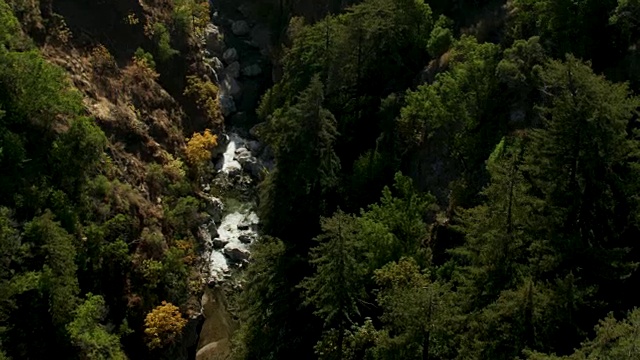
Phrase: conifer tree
[414,316]
[274,324]
[302,137]
[583,163]
[405,214]
[499,232]
[337,284]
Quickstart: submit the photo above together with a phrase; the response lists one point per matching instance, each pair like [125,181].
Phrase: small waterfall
[229,163]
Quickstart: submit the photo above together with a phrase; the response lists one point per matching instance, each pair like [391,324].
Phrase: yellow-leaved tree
[199,148]
[163,325]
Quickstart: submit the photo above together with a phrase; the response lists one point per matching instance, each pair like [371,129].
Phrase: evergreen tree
[518,73]
[614,339]
[412,312]
[337,284]
[302,137]
[499,233]
[274,326]
[406,216]
[44,292]
[11,256]
[59,270]
[565,26]
[583,165]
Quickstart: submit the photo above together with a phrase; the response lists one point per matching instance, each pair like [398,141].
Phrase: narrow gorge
[236,52]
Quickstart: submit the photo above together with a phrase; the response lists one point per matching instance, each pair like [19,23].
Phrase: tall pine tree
[337,284]
[295,194]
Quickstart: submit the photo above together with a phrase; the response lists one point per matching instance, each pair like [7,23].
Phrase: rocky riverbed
[233,225]
[236,49]
[236,55]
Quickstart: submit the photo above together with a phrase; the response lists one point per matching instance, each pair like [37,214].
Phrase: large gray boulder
[230,87]
[249,163]
[252,70]
[227,105]
[247,238]
[215,68]
[215,63]
[211,230]
[219,243]
[254,146]
[233,69]
[240,28]
[237,254]
[242,154]
[230,55]
[214,208]
[214,39]
[213,74]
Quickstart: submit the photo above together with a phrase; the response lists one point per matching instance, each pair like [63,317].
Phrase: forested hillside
[97,208]
[451,180]
[454,180]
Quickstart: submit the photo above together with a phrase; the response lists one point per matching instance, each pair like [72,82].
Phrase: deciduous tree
[163,325]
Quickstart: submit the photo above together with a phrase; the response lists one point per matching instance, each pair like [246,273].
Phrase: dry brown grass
[143,124]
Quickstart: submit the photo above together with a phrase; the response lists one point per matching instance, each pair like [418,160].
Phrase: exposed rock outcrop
[214,39]
[214,342]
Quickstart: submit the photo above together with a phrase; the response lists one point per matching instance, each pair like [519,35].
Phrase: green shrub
[163,42]
[10,26]
[143,57]
[190,16]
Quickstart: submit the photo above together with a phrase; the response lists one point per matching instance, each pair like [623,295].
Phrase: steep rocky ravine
[237,61]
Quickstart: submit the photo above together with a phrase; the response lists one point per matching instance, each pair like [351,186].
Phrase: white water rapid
[229,163]
[239,225]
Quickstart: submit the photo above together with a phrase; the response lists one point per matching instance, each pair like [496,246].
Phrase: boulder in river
[230,55]
[227,105]
[242,153]
[237,254]
[246,238]
[233,69]
[249,222]
[211,229]
[214,208]
[229,86]
[252,70]
[254,146]
[240,28]
[215,63]
[249,163]
[219,243]
[203,234]
[213,75]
